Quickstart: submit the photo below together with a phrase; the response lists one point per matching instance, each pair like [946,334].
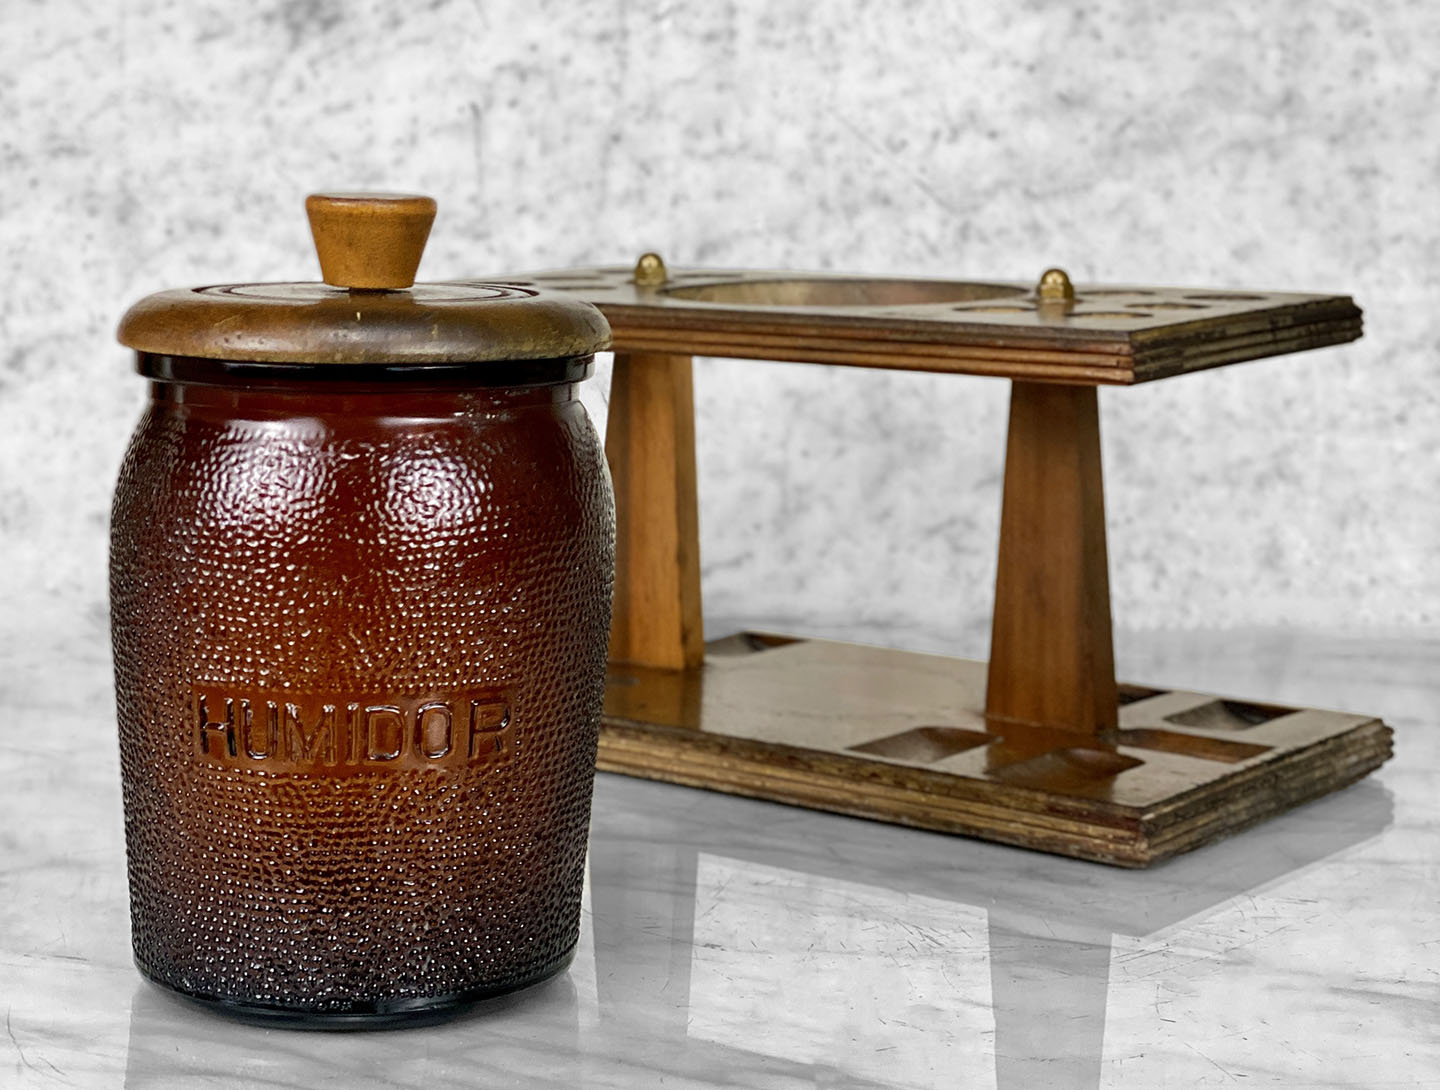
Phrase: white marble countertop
[734,943]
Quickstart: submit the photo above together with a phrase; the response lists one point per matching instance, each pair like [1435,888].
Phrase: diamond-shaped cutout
[1062,768]
[925,745]
[1228,715]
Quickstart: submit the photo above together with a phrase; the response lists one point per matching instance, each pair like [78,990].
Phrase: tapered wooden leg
[1052,659]
[650,443]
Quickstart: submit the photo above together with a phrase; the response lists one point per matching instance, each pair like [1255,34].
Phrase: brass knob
[1055,287]
[369,241]
[650,271]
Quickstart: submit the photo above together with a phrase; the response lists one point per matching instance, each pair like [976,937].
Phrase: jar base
[374,1014]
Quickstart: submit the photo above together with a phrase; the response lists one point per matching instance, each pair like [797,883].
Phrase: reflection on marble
[736,943]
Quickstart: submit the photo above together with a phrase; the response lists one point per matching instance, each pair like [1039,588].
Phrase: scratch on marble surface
[1223,1070]
[20,1051]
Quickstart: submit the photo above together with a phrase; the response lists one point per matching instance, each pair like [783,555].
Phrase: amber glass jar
[360,591]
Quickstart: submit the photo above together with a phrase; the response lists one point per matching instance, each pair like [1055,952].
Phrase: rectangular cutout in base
[1190,745]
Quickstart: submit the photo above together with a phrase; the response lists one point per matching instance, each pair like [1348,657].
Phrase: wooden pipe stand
[1040,748]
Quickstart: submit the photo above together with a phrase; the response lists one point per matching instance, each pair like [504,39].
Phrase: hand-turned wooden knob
[369,241]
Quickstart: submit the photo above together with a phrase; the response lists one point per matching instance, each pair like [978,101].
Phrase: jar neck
[362,389]
[498,373]
[392,400]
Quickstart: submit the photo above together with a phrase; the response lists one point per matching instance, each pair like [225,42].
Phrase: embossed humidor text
[290,732]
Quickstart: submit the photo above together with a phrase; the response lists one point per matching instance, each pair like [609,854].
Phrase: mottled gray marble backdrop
[147,143]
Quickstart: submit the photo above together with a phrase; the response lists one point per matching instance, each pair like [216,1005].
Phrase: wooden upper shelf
[1111,335]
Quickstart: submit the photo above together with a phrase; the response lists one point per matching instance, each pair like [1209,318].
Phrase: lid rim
[340,329]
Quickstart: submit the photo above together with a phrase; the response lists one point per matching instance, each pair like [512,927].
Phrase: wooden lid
[367,310]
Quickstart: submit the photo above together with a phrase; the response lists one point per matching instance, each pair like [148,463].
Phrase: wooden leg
[650,443]
[1052,659]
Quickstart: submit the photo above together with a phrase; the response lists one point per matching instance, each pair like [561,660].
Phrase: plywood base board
[902,737]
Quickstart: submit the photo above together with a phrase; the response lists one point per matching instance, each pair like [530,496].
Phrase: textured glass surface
[359,647]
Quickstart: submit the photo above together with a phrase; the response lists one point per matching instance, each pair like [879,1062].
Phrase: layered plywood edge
[1109,335]
[902,737]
